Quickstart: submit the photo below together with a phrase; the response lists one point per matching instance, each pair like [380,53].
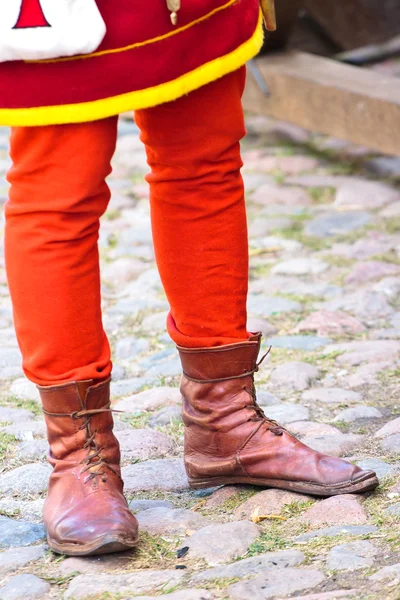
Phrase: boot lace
[94,462]
[260,417]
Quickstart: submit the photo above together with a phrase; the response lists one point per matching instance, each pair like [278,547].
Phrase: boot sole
[107,544]
[363,485]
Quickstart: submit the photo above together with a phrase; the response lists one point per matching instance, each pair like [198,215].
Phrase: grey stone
[222,495]
[142,505]
[24,389]
[351,556]
[395,320]
[129,347]
[16,558]
[385,334]
[298,342]
[272,131]
[367,374]
[252,180]
[170,367]
[262,226]
[331,396]
[19,533]
[381,468]
[271,194]
[384,166]
[10,357]
[143,444]
[326,322]
[393,510]
[142,252]
[393,210]
[294,285]
[154,323]
[369,351]
[158,357]
[167,521]
[30,510]
[313,429]
[333,224]
[274,243]
[121,271]
[165,415]
[14,415]
[296,376]
[321,180]
[103,563]
[252,566]
[24,587]
[181,595]
[265,306]
[336,530]
[358,412]
[366,305]
[391,444]
[147,283]
[218,544]
[26,480]
[34,449]
[121,425]
[265,398]
[166,474]
[390,286]
[390,572]
[335,595]
[128,386]
[268,502]
[335,511]
[300,266]
[367,247]
[139,582]
[363,194]
[287,413]
[258,324]
[334,445]
[391,428]
[286,164]
[279,581]
[8,373]
[25,430]
[150,399]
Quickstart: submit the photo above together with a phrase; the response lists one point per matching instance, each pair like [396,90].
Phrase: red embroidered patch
[31,15]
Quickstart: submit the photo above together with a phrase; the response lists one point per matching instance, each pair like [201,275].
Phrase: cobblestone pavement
[324,221]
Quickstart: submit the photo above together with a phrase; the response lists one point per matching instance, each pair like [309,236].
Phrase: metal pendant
[173,7]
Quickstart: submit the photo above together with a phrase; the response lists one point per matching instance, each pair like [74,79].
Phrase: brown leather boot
[229,440]
[85,510]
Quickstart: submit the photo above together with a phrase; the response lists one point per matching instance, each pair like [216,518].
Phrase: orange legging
[58,194]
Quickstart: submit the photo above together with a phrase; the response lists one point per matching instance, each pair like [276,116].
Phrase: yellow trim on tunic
[160,38]
[159,94]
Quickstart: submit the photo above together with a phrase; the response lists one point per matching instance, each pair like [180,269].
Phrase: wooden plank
[325,96]
[354,23]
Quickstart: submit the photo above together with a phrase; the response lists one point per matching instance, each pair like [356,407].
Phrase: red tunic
[143,61]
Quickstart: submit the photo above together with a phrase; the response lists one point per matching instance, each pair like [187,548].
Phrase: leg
[58,193]
[201,246]
[198,211]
